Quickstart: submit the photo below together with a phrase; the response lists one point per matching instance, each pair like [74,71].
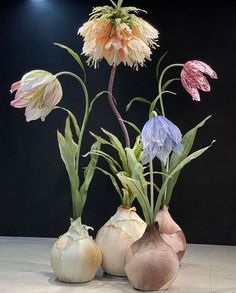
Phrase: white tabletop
[25,268]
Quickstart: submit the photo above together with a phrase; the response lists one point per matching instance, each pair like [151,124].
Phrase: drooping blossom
[38,92]
[160,136]
[192,77]
[119,36]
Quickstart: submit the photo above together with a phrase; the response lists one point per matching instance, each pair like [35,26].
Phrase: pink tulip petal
[15,86]
[52,94]
[203,67]
[191,89]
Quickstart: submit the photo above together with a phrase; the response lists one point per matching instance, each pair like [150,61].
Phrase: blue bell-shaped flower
[160,136]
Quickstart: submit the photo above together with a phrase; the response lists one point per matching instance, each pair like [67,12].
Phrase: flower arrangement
[126,242]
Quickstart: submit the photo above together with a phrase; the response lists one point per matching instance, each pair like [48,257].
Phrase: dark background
[34,188]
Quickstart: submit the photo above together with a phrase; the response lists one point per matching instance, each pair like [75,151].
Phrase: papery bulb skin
[150,263]
[115,237]
[171,233]
[75,257]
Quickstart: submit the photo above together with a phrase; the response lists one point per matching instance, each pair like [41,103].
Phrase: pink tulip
[38,92]
[192,77]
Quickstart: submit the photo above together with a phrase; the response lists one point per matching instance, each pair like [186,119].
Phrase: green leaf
[136,188]
[165,85]
[95,98]
[119,3]
[73,118]
[133,126]
[113,180]
[139,99]
[156,187]
[111,161]
[115,142]
[158,65]
[136,171]
[113,3]
[156,172]
[75,56]
[89,172]
[175,159]
[137,148]
[187,141]
[68,151]
[100,139]
[184,162]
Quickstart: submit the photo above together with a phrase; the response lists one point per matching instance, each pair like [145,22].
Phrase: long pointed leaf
[113,180]
[75,56]
[165,85]
[135,187]
[115,142]
[158,65]
[95,99]
[111,161]
[139,99]
[89,172]
[187,160]
[73,119]
[175,159]
[132,125]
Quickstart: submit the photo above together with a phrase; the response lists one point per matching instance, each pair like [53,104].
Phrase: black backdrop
[34,189]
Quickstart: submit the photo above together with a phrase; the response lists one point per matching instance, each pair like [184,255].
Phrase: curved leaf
[184,162]
[75,56]
[135,187]
[165,85]
[73,118]
[115,142]
[139,99]
[95,98]
[132,125]
[111,161]
[89,172]
[158,65]
[113,180]
[175,159]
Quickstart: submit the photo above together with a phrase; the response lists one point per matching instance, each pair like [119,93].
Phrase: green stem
[163,114]
[160,84]
[167,170]
[151,186]
[77,208]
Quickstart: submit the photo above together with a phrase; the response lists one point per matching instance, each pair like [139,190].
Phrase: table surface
[25,268]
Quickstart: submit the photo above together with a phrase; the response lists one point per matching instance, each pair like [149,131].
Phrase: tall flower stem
[160,84]
[165,169]
[151,186]
[114,109]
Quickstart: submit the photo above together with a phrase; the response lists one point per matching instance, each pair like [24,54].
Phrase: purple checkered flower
[160,136]
[192,77]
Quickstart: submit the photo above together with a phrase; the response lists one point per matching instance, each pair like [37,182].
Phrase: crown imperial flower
[192,77]
[38,92]
[118,35]
[160,136]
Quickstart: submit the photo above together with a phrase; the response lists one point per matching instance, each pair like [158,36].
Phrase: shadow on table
[101,283]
